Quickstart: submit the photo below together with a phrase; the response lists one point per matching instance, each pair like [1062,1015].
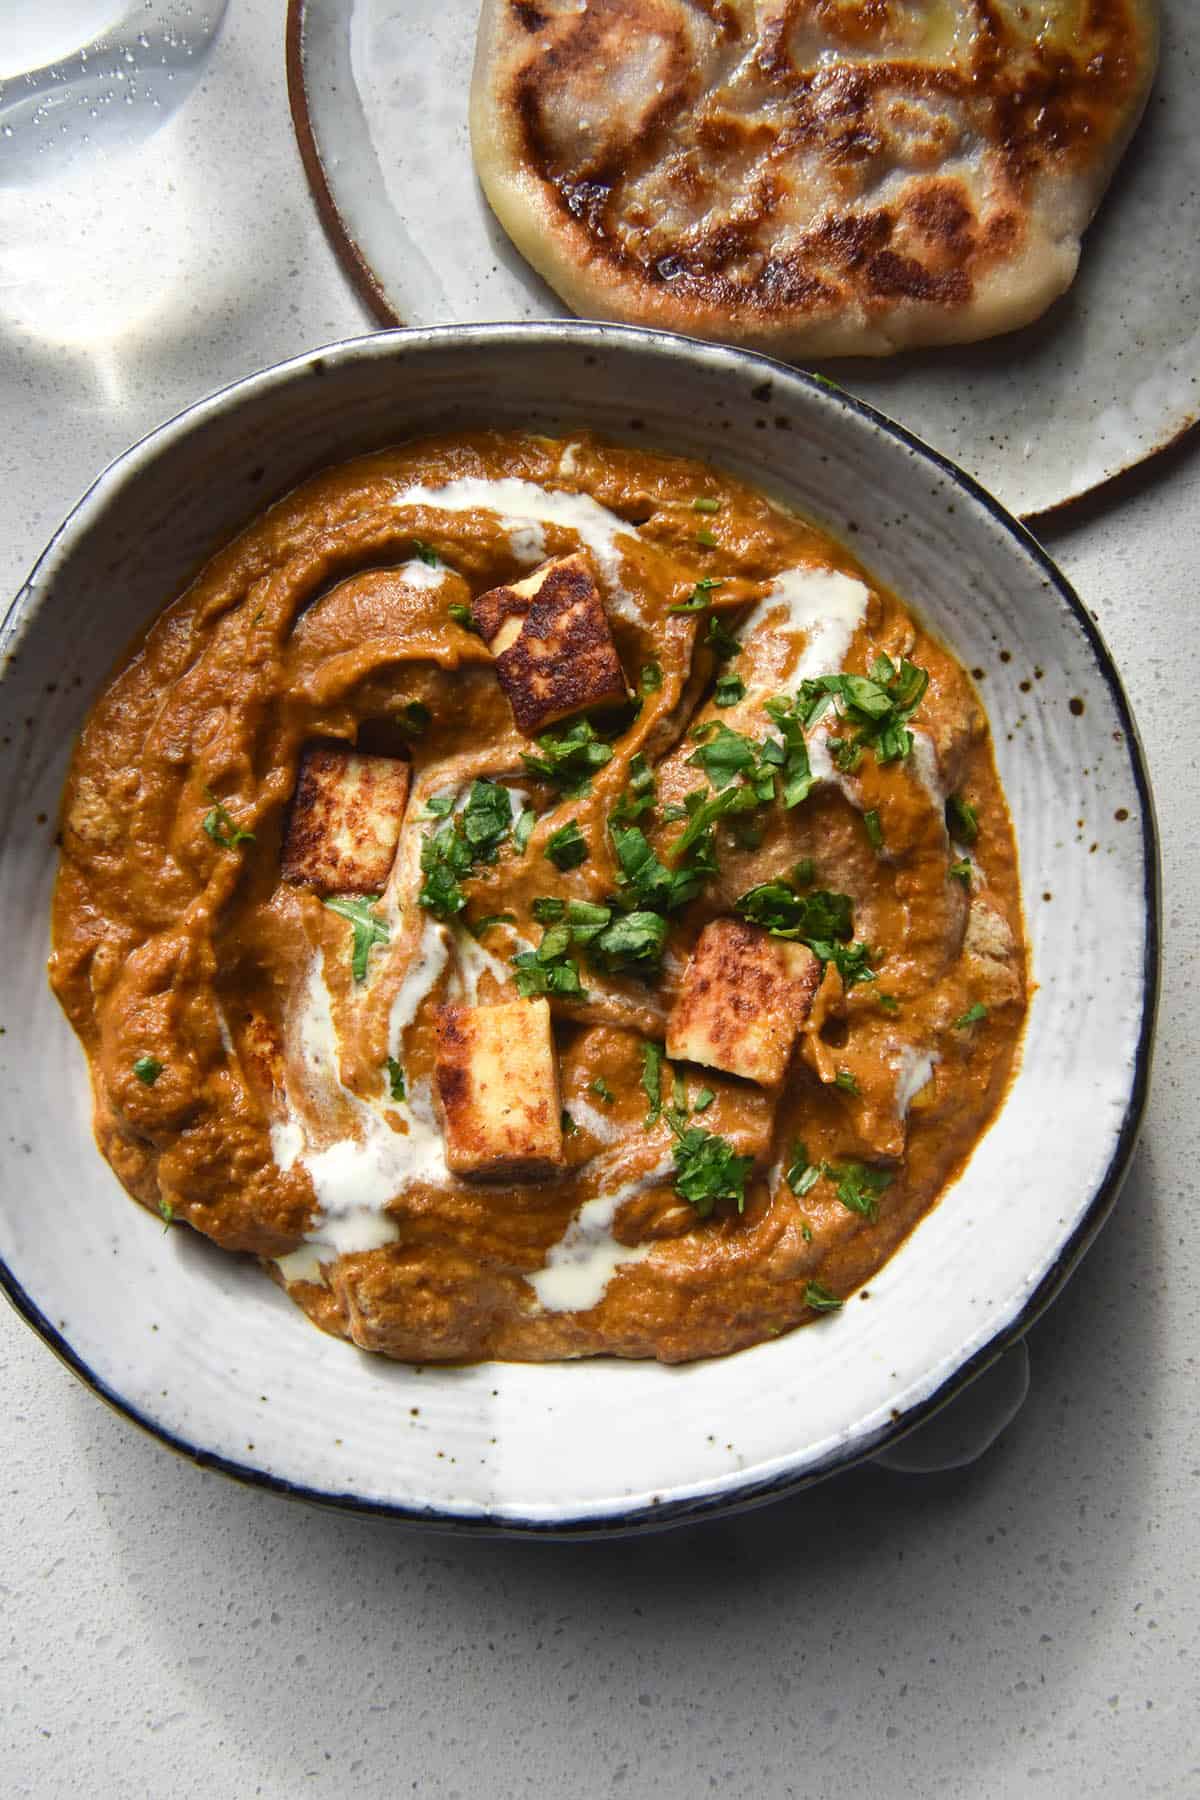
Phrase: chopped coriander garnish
[725,756]
[523,829]
[845,1080]
[878,705]
[804,872]
[569,1127]
[708,1169]
[438,805]
[962,819]
[474,836]
[567,847]
[427,553]
[679,1103]
[703,505]
[651,679]
[961,871]
[396,1087]
[547,910]
[477,927]
[889,1002]
[801,1175]
[820,1299]
[704,1099]
[638,797]
[699,600]
[633,941]
[972,1016]
[858,1186]
[166,1212]
[369,928]
[222,828]
[822,920]
[721,641]
[644,879]
[602,1090]
[806,1231]
[462,615]
[415,718]
[147,1069]
[729,690]
[652,1062]
[790,752]
[550,969]
[569,758]
[705,538]
[873,829]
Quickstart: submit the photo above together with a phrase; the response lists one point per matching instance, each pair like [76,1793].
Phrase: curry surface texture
[809,177]
[292,1076]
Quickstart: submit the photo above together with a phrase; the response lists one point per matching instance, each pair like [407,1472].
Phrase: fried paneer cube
[554,650]
[744,997]
[345,820]
[496,1083]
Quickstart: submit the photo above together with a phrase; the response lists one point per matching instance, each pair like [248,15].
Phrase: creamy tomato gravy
[248,1084]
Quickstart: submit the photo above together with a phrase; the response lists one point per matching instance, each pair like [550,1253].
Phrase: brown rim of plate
[371,291]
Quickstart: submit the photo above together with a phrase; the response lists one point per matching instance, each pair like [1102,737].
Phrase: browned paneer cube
[744,997]
[496,1081]
[345,820]
[554,650]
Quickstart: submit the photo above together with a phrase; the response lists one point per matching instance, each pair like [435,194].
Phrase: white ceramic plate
[202,1349]
[379,95]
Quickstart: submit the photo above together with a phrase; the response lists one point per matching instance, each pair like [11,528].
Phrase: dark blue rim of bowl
[660,1516]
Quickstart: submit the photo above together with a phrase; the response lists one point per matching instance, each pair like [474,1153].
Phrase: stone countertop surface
[1025,1627]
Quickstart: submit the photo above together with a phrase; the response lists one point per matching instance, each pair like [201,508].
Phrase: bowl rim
[665,1513]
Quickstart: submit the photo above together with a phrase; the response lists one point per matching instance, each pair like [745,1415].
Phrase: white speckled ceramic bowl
[200,1347]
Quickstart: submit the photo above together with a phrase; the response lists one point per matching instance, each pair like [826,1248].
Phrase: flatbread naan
[808,177]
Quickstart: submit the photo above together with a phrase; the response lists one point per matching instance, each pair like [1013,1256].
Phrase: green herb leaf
[705,538]
[462,615]
[396,1087]
[477,927]
[147,1069]
[972,1016]
[725,756]
[699,601]
[568,758]
[801,1175]
[474,836]
[961,871]
[889,1002]
[845,1080]
[523,829]
[706,506]
[644,879]
[415,718]
[652,1063]
[962,819]
[877,705]
[874,830]
[859,1186]
[166,1212]
[369,929]
[548,910]
[822,920]
[721,641]
[820,1299]
[729,690]
[633,941]
[708,1169]
[550,969]
[704,1099]
[804,872]
[569,1127]
[486,819]
[567,847]
[651,679]
[638,797]
[439,805]
[602,1090]
[427,553]
[791,754]
[221,827]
